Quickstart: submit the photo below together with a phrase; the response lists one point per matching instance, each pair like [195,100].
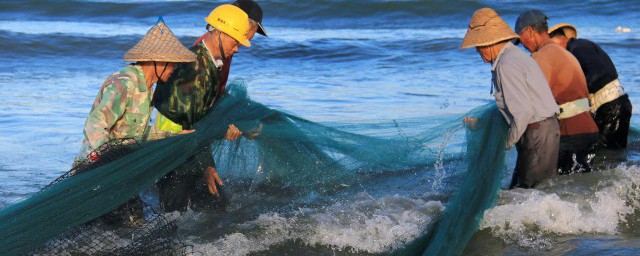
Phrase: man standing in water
[610,105]
[123,108]
[166,125]
[522,96]
[577,129]
[187,97]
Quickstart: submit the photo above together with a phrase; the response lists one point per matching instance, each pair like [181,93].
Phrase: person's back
[595,63]
[522,97]
[610,105]
[568,84]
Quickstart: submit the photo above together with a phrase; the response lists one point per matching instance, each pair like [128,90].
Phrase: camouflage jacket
[190,91]
[122,109]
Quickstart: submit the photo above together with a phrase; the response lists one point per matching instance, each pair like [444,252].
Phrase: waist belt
[537,125]
[573,108]
[608,93]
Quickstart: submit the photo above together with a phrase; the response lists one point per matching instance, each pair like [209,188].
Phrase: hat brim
[261,30]
[569,30]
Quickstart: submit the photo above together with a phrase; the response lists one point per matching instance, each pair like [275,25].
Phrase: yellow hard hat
[232,21]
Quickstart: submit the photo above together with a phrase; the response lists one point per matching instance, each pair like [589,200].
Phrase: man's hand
[93,156]
[254,133]
[212,178]
[186,131]
[470,122]
[233,133]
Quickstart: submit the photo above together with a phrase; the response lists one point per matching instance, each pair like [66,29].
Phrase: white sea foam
[367,225]
[528,217]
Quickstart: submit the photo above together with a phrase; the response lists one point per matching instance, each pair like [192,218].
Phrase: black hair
[557,32]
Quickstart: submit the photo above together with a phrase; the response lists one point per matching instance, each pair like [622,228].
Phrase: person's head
[229,26]
[159,51]
[562,32]
[254,12]
[532,28]
[487,32]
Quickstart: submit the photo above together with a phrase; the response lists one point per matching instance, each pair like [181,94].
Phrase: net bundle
[293,156]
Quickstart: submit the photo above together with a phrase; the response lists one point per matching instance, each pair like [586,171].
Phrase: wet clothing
[527,105]
[184,99]
[187,187]
[568,83]
[122,109]
[521,91]
[580,147]
[612,118]
[537,154]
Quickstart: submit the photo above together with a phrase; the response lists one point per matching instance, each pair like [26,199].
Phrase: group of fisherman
[188,83]
[562,103]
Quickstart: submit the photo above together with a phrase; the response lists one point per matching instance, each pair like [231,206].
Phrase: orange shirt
[568,83]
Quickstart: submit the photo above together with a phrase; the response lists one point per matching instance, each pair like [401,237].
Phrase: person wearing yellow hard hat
[180,108]
[610,105]
[522,96]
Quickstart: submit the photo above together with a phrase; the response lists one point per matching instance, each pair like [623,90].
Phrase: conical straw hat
[160,44]
[569,30]
[486,28]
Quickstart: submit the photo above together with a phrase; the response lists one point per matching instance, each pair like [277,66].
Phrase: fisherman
[254,11]
[123,107]
[228,27]
[569,86]
[610,105]
[522,96]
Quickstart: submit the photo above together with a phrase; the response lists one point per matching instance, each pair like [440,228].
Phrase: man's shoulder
[581,42]
[554,54]
[123,80]
[581,46]
[514,58]
[551,49]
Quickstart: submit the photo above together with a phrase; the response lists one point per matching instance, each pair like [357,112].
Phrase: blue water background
[328,61]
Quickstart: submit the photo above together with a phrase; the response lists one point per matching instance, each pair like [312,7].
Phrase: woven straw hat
[160,44]
[486,28]
[569,30]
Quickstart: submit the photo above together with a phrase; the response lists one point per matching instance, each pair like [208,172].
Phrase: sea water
[334,62]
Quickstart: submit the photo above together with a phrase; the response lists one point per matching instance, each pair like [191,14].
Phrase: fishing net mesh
[101,208]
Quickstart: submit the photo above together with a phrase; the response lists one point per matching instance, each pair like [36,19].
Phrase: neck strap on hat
[155,69]
[220,45]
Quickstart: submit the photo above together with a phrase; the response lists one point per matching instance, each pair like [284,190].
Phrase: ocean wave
[289,34]
[365,225]
[85,29]
[600,202]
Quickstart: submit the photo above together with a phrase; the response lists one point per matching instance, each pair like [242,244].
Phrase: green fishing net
[294,163]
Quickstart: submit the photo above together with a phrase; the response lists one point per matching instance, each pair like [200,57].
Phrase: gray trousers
[537,153]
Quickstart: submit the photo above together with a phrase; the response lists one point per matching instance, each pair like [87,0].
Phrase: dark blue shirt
[596,64]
